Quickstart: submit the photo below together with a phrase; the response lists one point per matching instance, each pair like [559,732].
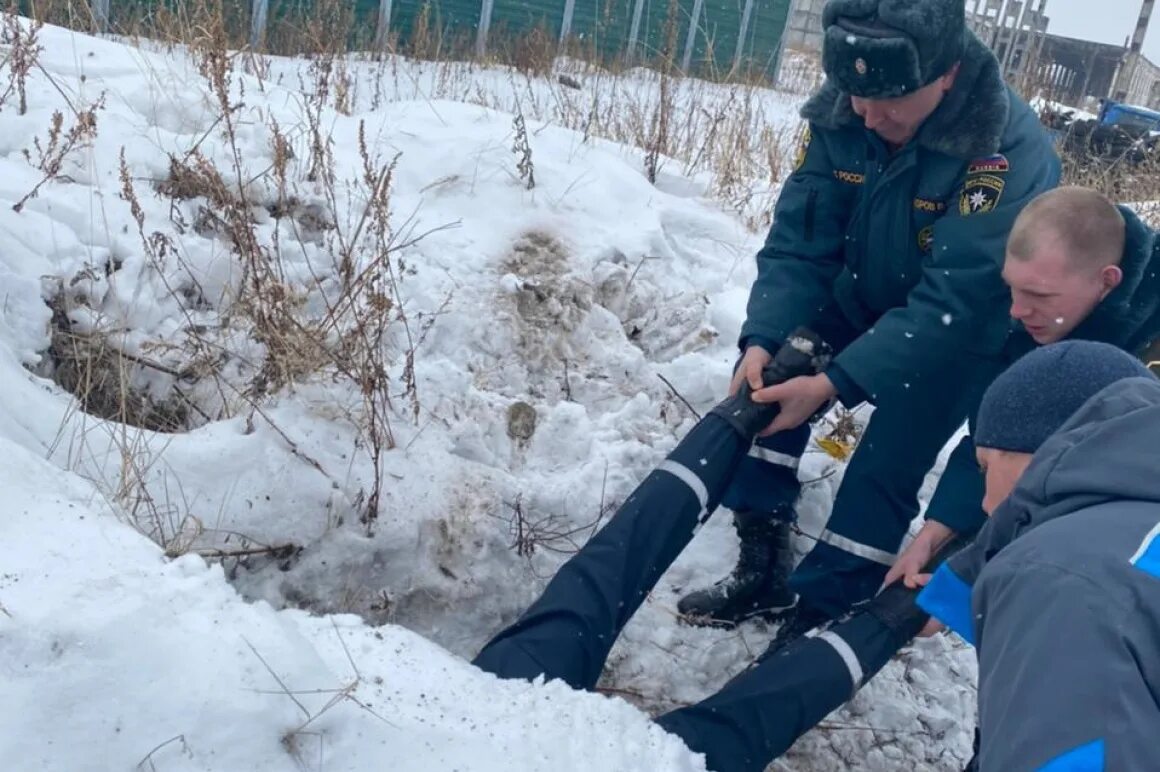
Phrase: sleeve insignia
[981,193]
[994,164]
[926,239]
[803,147]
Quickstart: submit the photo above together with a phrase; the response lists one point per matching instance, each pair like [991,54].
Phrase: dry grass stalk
[23,52]
[348,322]
[50,157]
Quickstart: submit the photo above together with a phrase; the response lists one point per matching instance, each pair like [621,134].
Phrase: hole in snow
[107,381]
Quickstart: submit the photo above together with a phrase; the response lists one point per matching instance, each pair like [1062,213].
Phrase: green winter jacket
[908,248]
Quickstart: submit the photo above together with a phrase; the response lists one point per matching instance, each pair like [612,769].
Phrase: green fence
[700,36]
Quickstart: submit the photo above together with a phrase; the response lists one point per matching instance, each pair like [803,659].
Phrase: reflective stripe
[854,548]
[846,653]
[1147,557]
[1144,545]
[773,457]
[689,478]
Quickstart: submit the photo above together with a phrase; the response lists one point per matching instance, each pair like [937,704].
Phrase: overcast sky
[1105,21]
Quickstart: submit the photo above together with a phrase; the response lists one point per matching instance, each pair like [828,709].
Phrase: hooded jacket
[907,247]
[1060,594]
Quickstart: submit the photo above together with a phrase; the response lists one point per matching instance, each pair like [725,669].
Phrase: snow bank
[113,656]
[565,302]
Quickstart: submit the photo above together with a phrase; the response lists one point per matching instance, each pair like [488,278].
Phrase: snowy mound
[114,656]
[396,338]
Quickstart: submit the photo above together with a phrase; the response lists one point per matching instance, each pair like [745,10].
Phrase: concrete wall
[1144,86]
[803,31]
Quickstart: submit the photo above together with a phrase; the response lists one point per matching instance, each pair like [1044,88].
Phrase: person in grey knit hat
[888,240]
[1060,591]
[1036,395]
[1079,267]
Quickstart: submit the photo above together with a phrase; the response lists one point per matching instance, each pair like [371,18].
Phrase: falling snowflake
[946,319]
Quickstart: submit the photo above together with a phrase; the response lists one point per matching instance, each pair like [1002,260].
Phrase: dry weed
[51,155]
[23,52]
[348,321]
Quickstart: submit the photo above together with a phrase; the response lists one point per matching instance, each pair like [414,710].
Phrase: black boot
[894,606]
[759,584]
[796,623]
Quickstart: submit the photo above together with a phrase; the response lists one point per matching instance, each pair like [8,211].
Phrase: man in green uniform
[888,239]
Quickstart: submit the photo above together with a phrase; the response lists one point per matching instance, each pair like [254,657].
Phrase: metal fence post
[634,30]
[484,24]
[101,14]
[779,52]
[691,39]
[383,27]
[741,35]
[566,24]
[259,11]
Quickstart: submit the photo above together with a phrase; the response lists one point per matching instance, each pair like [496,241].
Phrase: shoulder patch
[926,239]
[854,178]
[994,164]
[981,193]
[803,147]
[928,205]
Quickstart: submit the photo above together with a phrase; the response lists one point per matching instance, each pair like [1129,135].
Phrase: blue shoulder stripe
[947,598]
[1147,558]
[1085,758]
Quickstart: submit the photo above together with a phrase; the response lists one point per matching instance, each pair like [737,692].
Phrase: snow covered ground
[213,599]
[1039,104]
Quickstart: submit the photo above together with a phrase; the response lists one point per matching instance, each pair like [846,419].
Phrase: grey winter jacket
[1060,593]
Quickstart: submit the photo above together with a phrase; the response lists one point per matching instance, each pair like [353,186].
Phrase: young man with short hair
[1078,267]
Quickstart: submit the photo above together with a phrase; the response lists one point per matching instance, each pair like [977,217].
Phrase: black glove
[895,605]
[803,353]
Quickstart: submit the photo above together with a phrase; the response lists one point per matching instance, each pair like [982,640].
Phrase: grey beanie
[880,49]
[1037,394]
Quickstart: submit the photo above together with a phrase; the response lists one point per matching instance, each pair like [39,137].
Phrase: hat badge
[860,65]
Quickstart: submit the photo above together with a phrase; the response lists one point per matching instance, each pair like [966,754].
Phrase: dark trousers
[568,632]
[878,495]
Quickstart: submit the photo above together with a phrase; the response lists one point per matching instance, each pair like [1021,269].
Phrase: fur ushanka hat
[880,49]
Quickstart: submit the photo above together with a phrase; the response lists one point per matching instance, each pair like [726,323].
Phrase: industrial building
[1076,72]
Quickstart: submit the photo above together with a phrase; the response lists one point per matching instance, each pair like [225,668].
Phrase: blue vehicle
[1132,118]
[1122,134]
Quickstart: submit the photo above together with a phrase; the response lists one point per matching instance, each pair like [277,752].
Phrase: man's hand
[928,541]
[752,363]
[799,398]
[933,625]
